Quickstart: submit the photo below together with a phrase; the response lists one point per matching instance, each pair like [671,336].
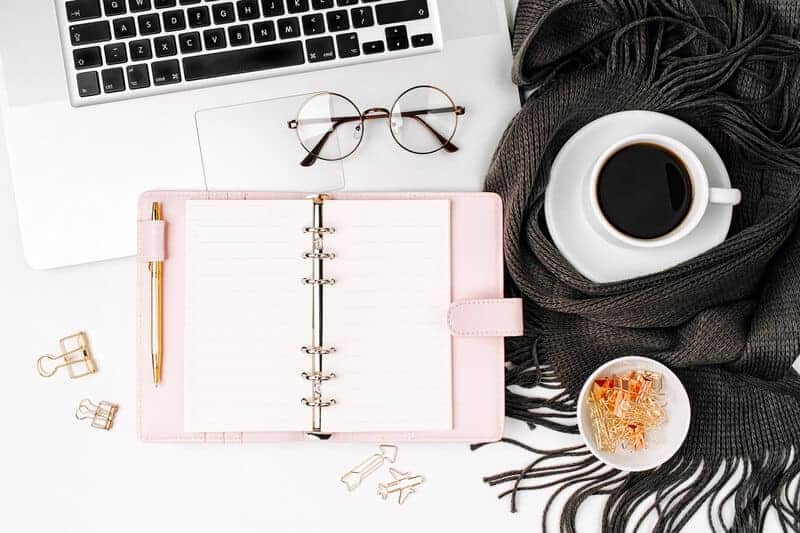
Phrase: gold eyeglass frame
[379,113]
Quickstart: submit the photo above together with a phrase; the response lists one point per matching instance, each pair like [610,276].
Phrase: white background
[60,475]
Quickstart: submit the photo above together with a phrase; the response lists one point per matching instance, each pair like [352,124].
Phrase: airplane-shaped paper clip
[102,414]
[75,355]
[356,475]
[404,483]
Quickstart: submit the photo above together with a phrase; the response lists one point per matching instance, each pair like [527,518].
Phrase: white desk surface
[59,475]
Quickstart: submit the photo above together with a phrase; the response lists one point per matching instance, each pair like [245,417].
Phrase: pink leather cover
[486,318]
[152,244]
[478,361]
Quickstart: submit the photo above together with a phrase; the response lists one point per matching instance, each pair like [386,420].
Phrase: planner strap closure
[152,241]
[486,318]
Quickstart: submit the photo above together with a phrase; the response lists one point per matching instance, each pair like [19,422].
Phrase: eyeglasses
[422,120]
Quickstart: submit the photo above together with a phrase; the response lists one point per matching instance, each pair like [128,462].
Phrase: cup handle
[725,196]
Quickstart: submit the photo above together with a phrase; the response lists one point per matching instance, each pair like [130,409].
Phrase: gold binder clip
[102,414]
[356,475]
[404,483]
[75,355]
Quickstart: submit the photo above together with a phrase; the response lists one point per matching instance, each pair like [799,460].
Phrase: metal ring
[319,255]
[318,231]
[318,403]
[318,377]
[321,281]
[318,350]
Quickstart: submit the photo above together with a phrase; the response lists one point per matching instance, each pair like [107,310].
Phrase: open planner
[348,316]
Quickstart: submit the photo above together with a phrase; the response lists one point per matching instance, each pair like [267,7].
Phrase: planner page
[247,315]
[386,315]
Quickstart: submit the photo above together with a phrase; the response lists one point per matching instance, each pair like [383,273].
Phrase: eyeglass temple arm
[448,145]
[313,154]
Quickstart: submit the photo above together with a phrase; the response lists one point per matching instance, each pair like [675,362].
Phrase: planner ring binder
[318,350]
[317,376]
[319,230]
[319,281]
[318,255]
[321,350]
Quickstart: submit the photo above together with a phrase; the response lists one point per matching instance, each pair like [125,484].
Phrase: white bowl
[663,442]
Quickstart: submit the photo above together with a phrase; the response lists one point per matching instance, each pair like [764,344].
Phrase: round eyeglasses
[422,120]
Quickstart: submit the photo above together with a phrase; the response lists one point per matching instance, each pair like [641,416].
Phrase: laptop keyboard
[120,49]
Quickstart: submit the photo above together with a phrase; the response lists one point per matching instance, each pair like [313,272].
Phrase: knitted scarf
[727,322]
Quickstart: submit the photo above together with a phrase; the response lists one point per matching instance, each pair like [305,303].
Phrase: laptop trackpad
[250,147]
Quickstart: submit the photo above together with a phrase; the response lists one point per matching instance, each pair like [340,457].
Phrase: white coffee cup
[702,193]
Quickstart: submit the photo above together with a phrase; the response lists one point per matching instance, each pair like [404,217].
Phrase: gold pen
[156,307]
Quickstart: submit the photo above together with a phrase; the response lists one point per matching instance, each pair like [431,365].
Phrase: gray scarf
[727,321]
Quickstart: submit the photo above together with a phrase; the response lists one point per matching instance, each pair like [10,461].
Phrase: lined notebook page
[247,314]
[386,315]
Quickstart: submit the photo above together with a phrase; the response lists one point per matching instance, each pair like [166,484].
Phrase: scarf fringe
[739,493]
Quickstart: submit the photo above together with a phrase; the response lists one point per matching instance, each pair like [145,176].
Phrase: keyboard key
[162,4]
[423,39]
[342,3]
[215,39]
[82,10]
[166,72]
[113,80]
[190,42]
[149,24]
[190,2]
[114,7]
[348,45]
[272,8]
[239,35]
[396,38]
[87,57]
[199,17]
[89,33]
[165,46]
[362,17]
[247,9]
[140,50]
[320,49]
[116,53]
[338,21]
[139,5]
[138,77]
[405,11]
[174,21]
[124,28]
[289,28]
[313,24]
[88,84]
[297,6]
[244,60]
[374,47]
[223,13]
[264,31]
[321,4]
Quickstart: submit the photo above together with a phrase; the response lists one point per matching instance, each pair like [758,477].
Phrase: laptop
[115,97]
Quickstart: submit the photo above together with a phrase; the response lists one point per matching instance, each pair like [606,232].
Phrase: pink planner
[349,316]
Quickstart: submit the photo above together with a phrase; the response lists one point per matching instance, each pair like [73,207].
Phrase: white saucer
[598,258]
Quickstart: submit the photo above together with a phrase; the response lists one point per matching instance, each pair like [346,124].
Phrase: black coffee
[644,191]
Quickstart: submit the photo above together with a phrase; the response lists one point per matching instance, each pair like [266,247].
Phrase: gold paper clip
[102,414]
[404,482]
[356,475]
[74,353]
